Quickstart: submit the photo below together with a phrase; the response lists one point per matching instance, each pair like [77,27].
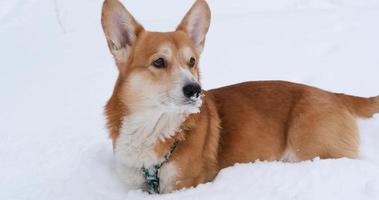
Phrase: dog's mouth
[184,105]
[194,100]
[194,103]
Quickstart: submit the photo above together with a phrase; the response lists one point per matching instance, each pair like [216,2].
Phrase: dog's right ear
[120,28]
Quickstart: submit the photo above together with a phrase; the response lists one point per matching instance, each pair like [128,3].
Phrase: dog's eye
[159,63]
[192,62]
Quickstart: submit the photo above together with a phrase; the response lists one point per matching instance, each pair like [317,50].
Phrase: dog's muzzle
[192,90]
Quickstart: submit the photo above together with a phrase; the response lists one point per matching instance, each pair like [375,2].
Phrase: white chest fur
[139,134]
[135,146]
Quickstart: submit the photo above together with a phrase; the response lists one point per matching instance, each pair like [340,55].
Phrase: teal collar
[151,173]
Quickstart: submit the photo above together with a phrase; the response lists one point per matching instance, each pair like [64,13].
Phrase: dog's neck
[149,126]
[142,131]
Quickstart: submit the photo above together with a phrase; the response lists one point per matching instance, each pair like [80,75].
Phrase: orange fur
[265,120]
[362,107]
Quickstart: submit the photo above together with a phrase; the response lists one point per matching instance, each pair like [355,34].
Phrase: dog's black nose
[192,90]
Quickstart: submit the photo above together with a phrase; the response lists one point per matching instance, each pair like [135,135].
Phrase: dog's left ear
[196,23]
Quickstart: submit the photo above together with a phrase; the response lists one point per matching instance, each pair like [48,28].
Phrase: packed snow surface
[56,74]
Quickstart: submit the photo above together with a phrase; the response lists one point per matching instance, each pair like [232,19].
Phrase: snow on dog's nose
[192,90]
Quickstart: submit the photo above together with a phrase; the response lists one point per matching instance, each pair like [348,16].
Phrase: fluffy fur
[265,120]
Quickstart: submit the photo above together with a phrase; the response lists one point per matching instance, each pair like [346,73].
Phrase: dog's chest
[135,146]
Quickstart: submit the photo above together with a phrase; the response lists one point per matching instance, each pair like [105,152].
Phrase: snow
[57,73]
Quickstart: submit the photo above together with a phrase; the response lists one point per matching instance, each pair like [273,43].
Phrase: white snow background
[56,74]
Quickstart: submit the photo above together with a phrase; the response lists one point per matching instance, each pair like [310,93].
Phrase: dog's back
[276,120]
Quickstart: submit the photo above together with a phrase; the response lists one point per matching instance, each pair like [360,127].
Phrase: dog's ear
[196,23]
[120,28]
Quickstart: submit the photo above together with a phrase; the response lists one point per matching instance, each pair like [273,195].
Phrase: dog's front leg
[131,176]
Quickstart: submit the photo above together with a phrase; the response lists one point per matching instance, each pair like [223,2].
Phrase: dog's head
[157,69]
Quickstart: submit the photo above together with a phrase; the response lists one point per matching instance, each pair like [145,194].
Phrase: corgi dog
[169,134]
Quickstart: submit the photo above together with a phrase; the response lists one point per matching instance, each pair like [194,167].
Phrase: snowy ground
[56,74]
